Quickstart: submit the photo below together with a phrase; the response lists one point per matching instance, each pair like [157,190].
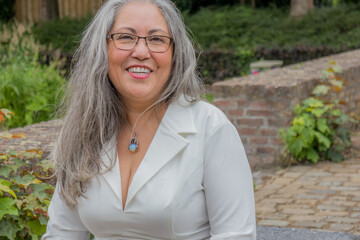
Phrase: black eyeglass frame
[111,36]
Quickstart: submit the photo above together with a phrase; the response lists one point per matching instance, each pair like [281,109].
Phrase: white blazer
[193,183]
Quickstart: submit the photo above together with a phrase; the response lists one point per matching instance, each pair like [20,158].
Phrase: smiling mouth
[139,70]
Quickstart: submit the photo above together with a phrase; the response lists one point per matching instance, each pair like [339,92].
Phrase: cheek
[167,63]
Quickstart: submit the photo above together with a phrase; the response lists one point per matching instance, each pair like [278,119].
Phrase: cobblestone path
[324,196]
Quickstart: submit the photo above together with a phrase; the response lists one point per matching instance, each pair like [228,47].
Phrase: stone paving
[325,196]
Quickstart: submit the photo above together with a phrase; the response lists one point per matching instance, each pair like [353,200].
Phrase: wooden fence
[29,10]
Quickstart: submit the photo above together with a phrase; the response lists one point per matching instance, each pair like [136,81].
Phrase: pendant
[133,144]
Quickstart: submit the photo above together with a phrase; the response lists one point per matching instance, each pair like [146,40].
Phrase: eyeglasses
[127,41]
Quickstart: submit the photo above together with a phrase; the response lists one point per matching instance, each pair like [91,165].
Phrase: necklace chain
[134,142]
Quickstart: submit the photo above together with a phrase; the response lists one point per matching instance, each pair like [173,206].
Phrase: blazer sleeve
[228,186]
[64,223]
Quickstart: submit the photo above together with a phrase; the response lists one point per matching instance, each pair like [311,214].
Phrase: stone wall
[38,136]
[259,105]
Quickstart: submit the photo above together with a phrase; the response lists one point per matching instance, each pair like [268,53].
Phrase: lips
[139,72]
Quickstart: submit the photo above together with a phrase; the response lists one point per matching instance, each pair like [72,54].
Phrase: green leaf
[16,163]
[5,171]
[337,69]
[299,121]
[43,220]
[320,90]
[336,83]
[46,164]
[26,180]
[309,120]
[322,139]
[326,74]
[322,126]
[7,207]
[307,136]
[318,112]
[335,112]
[334,155]
[313,103]
[344,134]
[39,191]
[31,203]
[297,146]
[20,162]
[36,228]
[8,229]
[5,187]
[312,155]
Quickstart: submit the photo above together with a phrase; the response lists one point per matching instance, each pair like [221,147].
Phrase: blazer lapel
[112,176]
[168,141]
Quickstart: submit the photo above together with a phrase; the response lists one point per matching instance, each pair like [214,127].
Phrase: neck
[137,113]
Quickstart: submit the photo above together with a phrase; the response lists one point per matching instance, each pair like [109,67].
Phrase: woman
[139,155]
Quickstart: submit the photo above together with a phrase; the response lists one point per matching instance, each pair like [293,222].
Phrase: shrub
[319,129]
[218,64]
[61,34]
[24,197]
[31,90]
[231,27]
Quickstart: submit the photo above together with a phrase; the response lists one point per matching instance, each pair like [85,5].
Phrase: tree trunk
[242,2]
[49,10]
[253,3]
[300,7]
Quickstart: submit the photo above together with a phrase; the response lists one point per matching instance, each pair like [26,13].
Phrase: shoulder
[208,118]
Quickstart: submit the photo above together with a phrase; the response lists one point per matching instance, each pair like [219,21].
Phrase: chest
[166,202]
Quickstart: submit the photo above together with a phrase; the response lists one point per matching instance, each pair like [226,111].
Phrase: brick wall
[259,105]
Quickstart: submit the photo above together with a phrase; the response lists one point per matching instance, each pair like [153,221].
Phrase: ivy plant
[320,129]
[24,195]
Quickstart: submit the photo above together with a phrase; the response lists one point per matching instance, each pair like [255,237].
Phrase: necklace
[134,142]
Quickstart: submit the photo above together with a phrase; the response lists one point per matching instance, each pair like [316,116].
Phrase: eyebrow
[133,31]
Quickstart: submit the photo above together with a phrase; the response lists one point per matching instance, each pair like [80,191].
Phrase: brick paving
[324,196]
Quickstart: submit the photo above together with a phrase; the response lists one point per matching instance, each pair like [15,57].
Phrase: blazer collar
[168,141]
[179,117]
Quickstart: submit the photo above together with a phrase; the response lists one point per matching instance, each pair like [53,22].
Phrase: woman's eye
[125,37]
[156,39]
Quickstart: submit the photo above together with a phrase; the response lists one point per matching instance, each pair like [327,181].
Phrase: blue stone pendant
[133,144]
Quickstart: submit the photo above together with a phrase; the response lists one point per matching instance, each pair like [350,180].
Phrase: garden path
[324,196]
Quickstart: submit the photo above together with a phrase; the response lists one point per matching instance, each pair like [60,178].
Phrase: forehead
[140,16]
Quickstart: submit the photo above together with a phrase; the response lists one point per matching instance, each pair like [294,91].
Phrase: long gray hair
[94,112]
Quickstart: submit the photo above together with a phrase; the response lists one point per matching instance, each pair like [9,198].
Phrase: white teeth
[140,70]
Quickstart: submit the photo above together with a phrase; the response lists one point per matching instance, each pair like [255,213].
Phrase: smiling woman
[140,155]
[138,73]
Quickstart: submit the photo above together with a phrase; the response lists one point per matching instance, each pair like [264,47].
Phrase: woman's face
[139,75]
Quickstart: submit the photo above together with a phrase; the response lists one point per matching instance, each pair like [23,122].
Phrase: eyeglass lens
[155,43]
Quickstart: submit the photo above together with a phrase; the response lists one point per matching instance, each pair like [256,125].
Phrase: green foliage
[231,27]
[61,34]
[24,197]
[31,90]
[218,64]
[319,129]
[6,10]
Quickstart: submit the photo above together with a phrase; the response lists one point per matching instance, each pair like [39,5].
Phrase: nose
[141,50]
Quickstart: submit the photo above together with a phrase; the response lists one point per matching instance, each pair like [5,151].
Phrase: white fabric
[193,183]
